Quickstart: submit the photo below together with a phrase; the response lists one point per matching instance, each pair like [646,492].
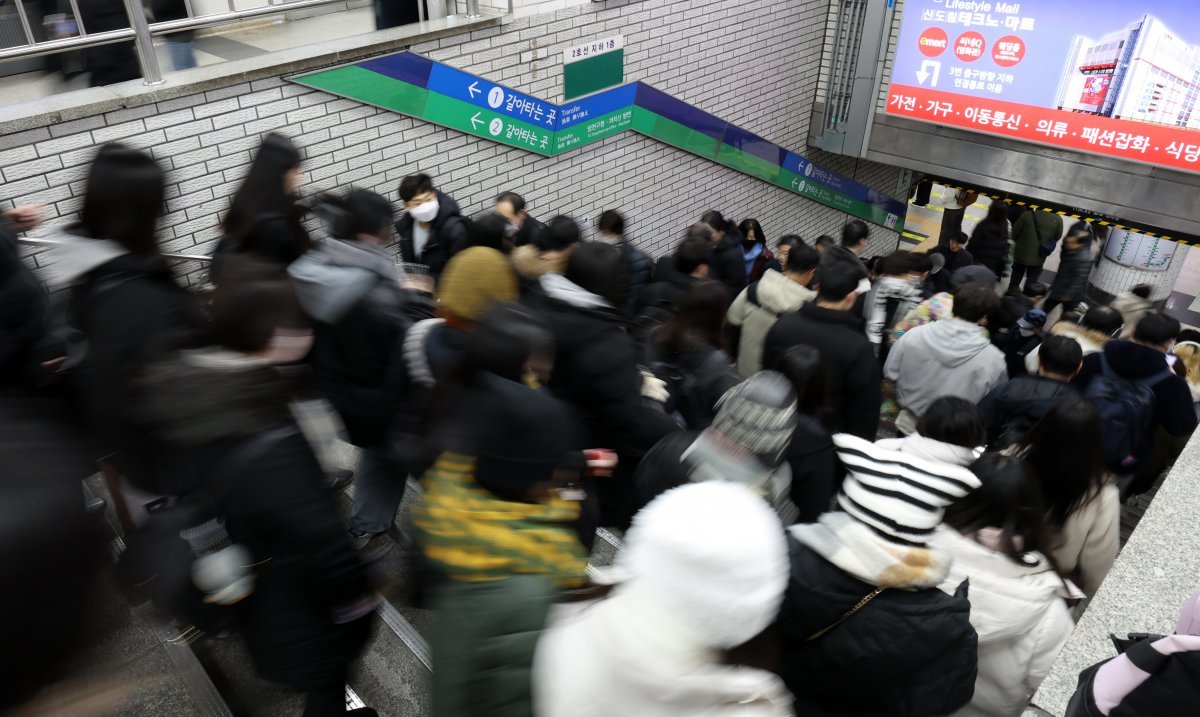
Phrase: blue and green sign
[414,85]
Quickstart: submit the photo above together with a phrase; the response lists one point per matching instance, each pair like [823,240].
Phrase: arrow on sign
[473,89]
[929,67]
[475,121]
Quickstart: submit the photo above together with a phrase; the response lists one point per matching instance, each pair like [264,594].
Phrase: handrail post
[143,43]
[472,8]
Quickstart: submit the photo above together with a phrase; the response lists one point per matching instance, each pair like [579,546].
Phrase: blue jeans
[378,490]
[182,55]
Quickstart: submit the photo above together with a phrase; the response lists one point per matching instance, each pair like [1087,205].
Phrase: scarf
[853,548]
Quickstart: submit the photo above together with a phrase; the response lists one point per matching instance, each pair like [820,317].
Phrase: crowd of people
[724,406]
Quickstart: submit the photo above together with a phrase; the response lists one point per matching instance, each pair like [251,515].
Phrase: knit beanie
[475,280]
[518,435]
[900,497]
[759,415]
[714,554]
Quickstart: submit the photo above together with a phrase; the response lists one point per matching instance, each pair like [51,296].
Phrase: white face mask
[288,346]
[425,212]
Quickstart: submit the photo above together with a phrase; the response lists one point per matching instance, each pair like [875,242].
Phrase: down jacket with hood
[595,371]
[951,357]
[351,292]
[1090,341]
[125,305]
[309,614]
[1020,614]
[774,296]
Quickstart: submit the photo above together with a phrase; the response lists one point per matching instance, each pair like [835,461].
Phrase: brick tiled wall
[752,62]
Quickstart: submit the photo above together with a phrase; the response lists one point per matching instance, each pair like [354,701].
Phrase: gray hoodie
[334,276]
[950,357]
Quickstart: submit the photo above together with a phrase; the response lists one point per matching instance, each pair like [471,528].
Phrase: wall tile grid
[754,63]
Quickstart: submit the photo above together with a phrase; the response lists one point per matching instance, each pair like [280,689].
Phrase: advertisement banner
[1103,76]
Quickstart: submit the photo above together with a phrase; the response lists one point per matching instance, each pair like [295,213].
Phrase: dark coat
[665,291]
[697,378]
[1003,324]
[113,62]
[1030,230]
[816,474]
[272,238]
[595,371]
[447,230]
[853,393]
[1173,407]
[907,653]
[24,314]
[662,469]
[1012,408]
[639,270]
[989,244]
[529,232]
[286,516]
[126,307]
[764,261]
[729,263]
[1071,281]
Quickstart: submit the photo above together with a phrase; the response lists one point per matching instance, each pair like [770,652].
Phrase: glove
[654,388]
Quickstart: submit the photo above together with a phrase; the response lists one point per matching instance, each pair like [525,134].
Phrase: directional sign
[414,85]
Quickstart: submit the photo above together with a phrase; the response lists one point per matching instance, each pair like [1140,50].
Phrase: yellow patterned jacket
[474,536]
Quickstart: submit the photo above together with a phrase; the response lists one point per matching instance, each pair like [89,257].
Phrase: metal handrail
[141,32]
[50,242]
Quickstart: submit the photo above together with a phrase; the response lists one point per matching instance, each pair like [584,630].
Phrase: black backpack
[1126,411]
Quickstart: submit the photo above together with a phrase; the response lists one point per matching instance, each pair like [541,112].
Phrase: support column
[1111,278]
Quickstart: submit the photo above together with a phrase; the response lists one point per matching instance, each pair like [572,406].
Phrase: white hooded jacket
[950,357]
[1020,615]
[777,295]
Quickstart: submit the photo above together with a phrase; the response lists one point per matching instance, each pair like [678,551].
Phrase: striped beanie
[898,496]
[759,416]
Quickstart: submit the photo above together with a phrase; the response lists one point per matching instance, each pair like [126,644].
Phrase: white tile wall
[752,62]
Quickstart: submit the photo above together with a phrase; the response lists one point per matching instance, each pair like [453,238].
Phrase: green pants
[483,638]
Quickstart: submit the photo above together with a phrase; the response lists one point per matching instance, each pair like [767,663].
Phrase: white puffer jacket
[1020,615]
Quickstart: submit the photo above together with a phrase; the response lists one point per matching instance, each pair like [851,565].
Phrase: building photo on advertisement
[1101,76]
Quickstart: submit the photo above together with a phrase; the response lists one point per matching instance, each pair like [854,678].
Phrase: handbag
[849,613]
[1045,247]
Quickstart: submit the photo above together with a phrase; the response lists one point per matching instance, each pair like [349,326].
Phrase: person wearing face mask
[226,409]
[432,225]
[525,228]
[754,248]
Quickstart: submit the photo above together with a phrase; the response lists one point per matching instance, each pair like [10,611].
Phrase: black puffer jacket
[1012,408]
[595,371]
[24,313]
[125,305]
[989,244]
[350,291]
[696,378]
[209,404]
[853,379]
[640,269]
[1071,281]
[907,653]
[729,263]
[1172,398]
[447,230]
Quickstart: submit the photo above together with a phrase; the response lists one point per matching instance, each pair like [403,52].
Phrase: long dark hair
[747,225]
[697,322]
[993,228]
[1009,499]
[124,199]
[1064,452]
[805,368]
[262,193]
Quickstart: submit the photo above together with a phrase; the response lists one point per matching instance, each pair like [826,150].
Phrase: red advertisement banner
[1155,144]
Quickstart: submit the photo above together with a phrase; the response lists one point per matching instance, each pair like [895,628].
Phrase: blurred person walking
[702,572]
[639,268]
[816,475]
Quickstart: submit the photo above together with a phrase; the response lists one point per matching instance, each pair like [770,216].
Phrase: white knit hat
[900,497]
[715,554]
